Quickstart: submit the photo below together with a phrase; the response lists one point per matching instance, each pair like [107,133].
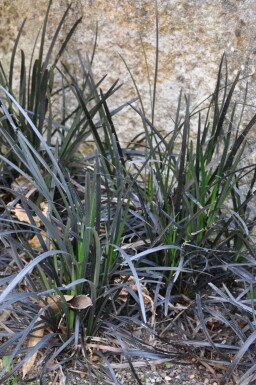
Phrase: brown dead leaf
[44,206]
[37,335]
[20,183]
[145,293]
[4,315]
[53,301]
[106,348]
[22,216]
[34,242]
[78,302]
[213,324]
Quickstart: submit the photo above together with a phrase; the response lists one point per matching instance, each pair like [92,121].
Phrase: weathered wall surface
[193,36]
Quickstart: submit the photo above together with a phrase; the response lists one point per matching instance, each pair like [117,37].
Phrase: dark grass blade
[109,367]
[239,355]
[43,343]
[55,37]
[156,63]
[225,109]
[21,297]
[36,77]
[126,355]
[23,81]
[248,377]
[239,142]
[31,86]
[14,54]
[202,323]
[91,123]
[58,351]
[181,172]
[26,333]
[26,270]
[46,148]
[137,281]
[113,130]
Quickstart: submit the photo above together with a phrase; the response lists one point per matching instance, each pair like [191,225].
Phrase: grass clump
[93,249]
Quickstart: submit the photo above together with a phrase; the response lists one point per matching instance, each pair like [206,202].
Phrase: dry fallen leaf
[145,293]
[20,183]
[104,348]
[34,242]
[44,206]
[22,216]
[78,302]
[4,315]
[53,301]
[37,335]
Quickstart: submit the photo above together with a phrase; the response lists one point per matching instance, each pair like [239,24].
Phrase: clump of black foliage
[137,230]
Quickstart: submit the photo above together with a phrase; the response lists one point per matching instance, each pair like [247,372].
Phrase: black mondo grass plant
[61,227]
[200,196]
[91,250]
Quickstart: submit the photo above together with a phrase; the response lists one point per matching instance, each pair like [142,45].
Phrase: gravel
[160,374]
[169,374]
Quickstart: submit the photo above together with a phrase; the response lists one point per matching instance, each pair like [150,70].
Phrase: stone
[193,35]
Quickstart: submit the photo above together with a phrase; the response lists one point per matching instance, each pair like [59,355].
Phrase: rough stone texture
[193,36]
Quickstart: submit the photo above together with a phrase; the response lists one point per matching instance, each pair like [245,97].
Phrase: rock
[193,35]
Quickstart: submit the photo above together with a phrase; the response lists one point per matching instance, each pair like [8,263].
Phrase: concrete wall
[193,36]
